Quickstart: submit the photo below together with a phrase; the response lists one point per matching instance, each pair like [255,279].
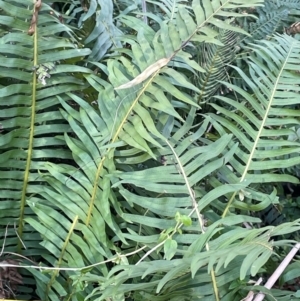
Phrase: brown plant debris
[9,279]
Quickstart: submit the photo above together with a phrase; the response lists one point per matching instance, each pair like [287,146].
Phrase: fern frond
[105,34]
[264,123]
[215,59]
[34,70]
[108,203]
[272,17]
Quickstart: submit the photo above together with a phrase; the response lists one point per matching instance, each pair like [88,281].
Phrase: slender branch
[250,295]
[5,235]
[279,271]
[150,251]
[200,217]
[3,264]
[20,240]
[191,193]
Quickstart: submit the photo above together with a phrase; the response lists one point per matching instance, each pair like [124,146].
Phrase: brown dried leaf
[146,73]
[33,22]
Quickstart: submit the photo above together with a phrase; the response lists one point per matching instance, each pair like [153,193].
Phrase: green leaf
[170,248]
[186,220]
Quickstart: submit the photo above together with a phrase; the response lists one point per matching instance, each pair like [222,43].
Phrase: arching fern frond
[34,70]
[262,121]
[127,129]
[105,34]
[169,8]
[271,17]
[215,59]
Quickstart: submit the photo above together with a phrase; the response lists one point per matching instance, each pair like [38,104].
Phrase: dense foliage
[148,148]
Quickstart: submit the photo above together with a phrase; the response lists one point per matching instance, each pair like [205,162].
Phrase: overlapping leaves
[138,165]
[263,120]
[30,118]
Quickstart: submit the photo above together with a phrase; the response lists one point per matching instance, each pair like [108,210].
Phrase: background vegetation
[180,185]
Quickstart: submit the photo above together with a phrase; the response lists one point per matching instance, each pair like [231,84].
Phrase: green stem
[30,144]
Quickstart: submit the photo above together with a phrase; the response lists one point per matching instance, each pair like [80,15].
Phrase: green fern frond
[168,8]
[263,121]
[34,70]
[105,35]
[271,17]
[138,173]
[215,59]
